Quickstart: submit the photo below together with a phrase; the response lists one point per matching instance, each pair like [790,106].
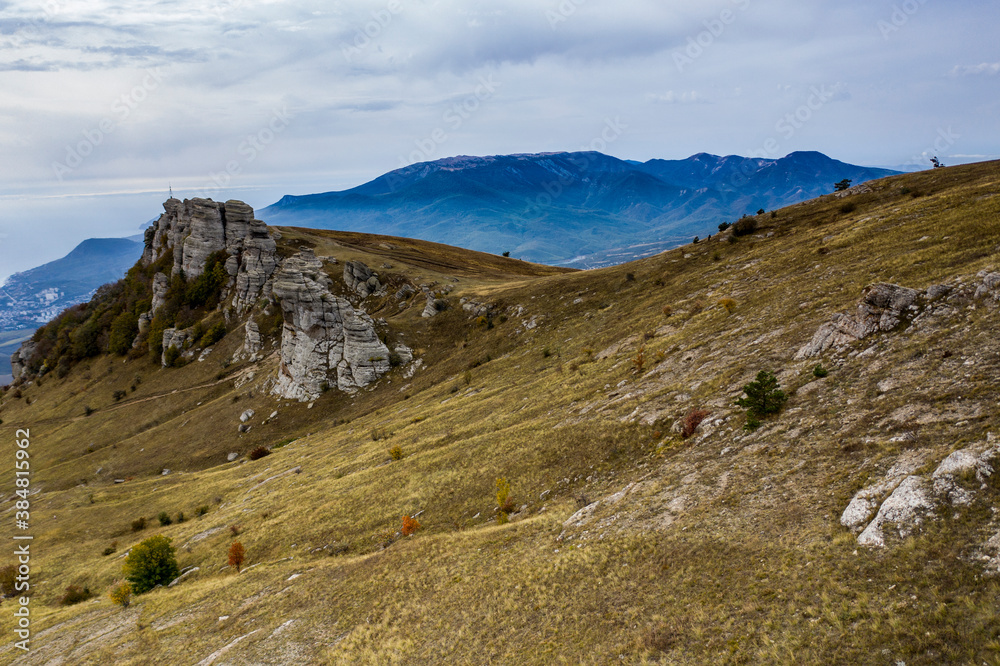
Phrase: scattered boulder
[246,416]
[232,456]
[361,279]
[905,508]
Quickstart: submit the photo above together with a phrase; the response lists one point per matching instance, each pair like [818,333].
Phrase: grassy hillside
[627,542]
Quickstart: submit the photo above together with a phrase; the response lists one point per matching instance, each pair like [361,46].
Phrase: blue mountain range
[583,209]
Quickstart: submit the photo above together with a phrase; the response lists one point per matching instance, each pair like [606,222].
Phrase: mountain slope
[35,296]
[567,208]
[627,542]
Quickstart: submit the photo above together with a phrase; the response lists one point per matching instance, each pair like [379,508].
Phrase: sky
[105,104]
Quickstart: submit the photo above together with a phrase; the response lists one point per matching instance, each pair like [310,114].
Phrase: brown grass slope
[724,547]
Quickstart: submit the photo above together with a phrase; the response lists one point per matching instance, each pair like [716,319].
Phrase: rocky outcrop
[19,359]
[255,266]
[173,337]
[914,497]
[252,342]
[192,230]
[161,284]
[361,279]
[883,307]
[325,341]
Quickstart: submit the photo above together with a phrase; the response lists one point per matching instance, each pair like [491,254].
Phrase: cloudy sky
[104,103]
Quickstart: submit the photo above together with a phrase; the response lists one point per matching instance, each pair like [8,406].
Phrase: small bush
[234,530]
[88,410]
[139,524]
[728,303]
[164,519]
[110,549]
[180,517]
[505,502]
[201,510]
[546,352]
[171,356]
[259,452]
[378,434]
[236,555]
[74,595]
[150,563]
[848,207]
[121,594]
[745,226]
[506,253]
[697,307]
[410,525]
[213,335]
[723,226]
[118,395]
[695,241]
[667,310]
[396,452]
[692,420]
[639,360]
[820,372]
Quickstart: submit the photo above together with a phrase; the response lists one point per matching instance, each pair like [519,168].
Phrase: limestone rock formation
[173,337]
[193,229]
[361,279]
[914,497]
[19,359]
[883,307]
[325,341]
[161,284]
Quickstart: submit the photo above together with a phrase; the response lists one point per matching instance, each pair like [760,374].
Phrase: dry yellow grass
[751,567]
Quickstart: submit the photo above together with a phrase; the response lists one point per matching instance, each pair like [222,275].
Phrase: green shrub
[201,510]
[763,397]
[820,371]
[150,563]
[164,519]
[213,335]
[171,356]
[505,502]
[138,524]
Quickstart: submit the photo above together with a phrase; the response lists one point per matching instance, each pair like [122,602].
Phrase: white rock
[904,508]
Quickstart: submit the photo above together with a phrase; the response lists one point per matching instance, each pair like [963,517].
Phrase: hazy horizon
[105,106]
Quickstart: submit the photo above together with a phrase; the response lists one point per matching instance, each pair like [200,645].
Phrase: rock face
[883,307]
[19,359]
[325,341]
[173,337]
[193,229]
[914,497]
[361,279]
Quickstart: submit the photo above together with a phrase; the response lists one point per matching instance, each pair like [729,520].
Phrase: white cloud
[983,69]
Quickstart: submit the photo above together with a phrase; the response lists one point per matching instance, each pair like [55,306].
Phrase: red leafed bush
[410,525]
[692,420]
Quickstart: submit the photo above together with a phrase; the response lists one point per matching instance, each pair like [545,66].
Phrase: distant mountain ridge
[35,296]
[582,209]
